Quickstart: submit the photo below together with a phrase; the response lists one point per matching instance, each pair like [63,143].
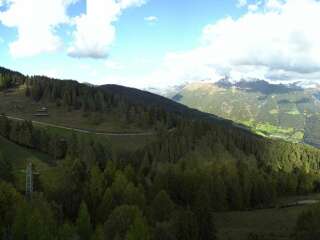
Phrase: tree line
[10,79]
[168,190]
[93,100]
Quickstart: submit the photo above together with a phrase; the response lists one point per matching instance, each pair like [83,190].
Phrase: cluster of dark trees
[23,133]
[9,79]
[168,190]
[89,202]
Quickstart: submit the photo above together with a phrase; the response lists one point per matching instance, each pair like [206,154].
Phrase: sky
[162,43]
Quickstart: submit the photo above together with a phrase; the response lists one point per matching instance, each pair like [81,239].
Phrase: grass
[274,111]
[298,136]
[273,223]
[267,223]
[293,112]
[117,142]
[16,104]
[272,129]
[269,130]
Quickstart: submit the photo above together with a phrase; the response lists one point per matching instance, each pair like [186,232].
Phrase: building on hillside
[42,112]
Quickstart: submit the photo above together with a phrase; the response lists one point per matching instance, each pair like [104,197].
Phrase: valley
[274,110]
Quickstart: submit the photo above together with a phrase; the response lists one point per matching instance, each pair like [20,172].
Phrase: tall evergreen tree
[83,223]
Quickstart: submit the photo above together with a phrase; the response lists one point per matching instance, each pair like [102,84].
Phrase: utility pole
[29,181]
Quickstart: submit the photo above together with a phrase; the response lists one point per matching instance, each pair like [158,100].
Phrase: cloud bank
[37,22]
[36,25]
[278,41]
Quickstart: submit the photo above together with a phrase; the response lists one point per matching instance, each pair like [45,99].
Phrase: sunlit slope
[286,112]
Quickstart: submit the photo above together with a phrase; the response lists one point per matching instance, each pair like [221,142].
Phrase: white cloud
[95,31]
[130,3]
[274,4]
[254,7]
[151,19]
[242,3]
[280,41]
[35,21]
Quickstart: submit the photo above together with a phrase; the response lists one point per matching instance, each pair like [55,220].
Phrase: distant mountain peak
[258,85]
[224,83]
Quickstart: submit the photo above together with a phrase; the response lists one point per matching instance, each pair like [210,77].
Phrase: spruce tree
[83,223]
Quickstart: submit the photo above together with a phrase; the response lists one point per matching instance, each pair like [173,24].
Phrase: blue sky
[159,42]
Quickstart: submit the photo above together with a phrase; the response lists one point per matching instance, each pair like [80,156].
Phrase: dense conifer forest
[167,190]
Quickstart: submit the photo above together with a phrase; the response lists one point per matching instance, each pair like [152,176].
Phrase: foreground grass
[117,143]
[267,224]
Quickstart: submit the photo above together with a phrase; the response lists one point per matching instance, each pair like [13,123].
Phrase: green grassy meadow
[267,224]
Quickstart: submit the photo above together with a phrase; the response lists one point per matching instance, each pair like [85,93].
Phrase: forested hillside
[167,189]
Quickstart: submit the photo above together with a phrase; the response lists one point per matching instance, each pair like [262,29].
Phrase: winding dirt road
[85,130]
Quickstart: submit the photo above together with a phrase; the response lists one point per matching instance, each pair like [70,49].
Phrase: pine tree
[98,233]
[162,207]
[67,232]
[5,169]
[138,230]
[83,223]
[203,212]
[185,225]
[95,190]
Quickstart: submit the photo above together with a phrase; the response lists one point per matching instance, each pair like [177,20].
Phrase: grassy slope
[269,223]
[275,223]
[17,105]
[117,142]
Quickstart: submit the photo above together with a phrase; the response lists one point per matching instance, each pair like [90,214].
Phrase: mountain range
[286,111]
